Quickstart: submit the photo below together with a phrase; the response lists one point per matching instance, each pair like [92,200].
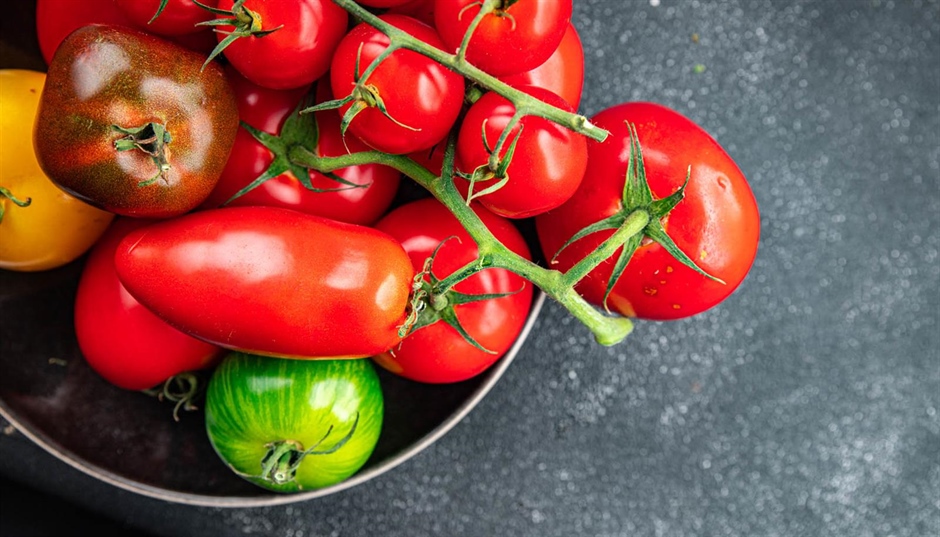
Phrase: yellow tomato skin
[55,228]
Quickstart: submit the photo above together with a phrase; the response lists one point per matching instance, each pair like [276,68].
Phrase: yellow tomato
[54,228]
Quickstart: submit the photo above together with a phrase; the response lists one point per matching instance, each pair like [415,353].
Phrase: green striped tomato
[291,425]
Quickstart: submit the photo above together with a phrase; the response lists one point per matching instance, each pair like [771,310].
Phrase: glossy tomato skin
[509,41]
[255,402]
[717,223]
[546,168]
[267,109]
[417,91]
[55,228]
[438,353]
[122,340]
[562,73]
[296,54]
[179,17]
[271,281]
[103,78]
[56,19]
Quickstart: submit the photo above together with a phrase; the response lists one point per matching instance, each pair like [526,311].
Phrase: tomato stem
[5,193]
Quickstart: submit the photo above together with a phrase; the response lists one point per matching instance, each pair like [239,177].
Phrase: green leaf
[613,221]
[629,248]
[654,230]
[636,189]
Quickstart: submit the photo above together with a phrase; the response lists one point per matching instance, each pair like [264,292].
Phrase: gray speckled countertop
[804,405]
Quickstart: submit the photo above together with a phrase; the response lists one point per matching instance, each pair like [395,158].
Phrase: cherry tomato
[384,3]
[510,40]
[562,73]
[438,353]
[133,124]
[292,425]
[304,34]
[546,167]
[421,96]
[178,17]
[271,281]
[267,110]
[423,10]
[54,228]
[717,224]
[120,339]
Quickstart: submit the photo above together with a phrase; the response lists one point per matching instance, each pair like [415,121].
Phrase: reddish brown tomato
[271,281]
[562,73]
[546,167]
[509,40]
[717,223]
[122,340]
[437,353]
[132,124]
[266,109]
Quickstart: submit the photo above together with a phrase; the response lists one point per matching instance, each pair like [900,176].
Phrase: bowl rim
[272,499]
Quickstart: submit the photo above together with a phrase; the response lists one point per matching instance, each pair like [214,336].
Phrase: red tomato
[56,19]
[509,40]
[120,339]
[294,55]
[546,168]
[266,109]
[562,73]
[383,3]
[717,225]
[271,281]
[423,10]
[437,353]
[422,97]
[179,17]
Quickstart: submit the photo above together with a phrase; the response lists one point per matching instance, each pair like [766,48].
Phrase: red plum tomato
[717,223]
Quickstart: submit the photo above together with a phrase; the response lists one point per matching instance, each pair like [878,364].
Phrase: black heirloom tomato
[130,123]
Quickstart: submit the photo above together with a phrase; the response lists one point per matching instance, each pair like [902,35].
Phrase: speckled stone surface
[805,405]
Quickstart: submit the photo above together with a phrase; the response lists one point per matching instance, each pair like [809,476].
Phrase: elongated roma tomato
[292,425]
[271,281]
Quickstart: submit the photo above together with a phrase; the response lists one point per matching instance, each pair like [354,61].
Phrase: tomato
[546,167]
[120,339]
[292,425]
[717,224]
[132,124]
[562,73]
[56,19]
[384,3]
[512,39]
[438,353]
[266,110]
[178,17]
[423,10]
[296,52]
[54,228]
[271,281]
[421,96]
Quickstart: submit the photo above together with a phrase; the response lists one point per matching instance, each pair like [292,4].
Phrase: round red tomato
[422,97]
[438,353]
[271,281]
[178,17]
[509,40]
[266,110]
[716,225]
[56,19]
[562,73]
[296,52]
[423,10]
[546,167]
[122,340]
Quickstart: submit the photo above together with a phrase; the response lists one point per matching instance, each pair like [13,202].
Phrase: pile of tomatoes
[229,254]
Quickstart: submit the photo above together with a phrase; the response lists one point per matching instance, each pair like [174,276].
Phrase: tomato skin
[122,340]
[438,353]
[717,224]
[417,91]
[55,228]
[271,281]
[293,56]
[254,401]
[56,19]
[546,168]
[102,77]
[266,109]
[562,73]
[423,10]
[179,17]
[518,39]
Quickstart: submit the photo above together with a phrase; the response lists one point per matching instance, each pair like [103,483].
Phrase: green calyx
[299,130]
[151,138]
[247,23]
[637,199]
[5,193]
[283,457]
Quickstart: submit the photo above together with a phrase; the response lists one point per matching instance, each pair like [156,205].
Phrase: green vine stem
[523,102]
